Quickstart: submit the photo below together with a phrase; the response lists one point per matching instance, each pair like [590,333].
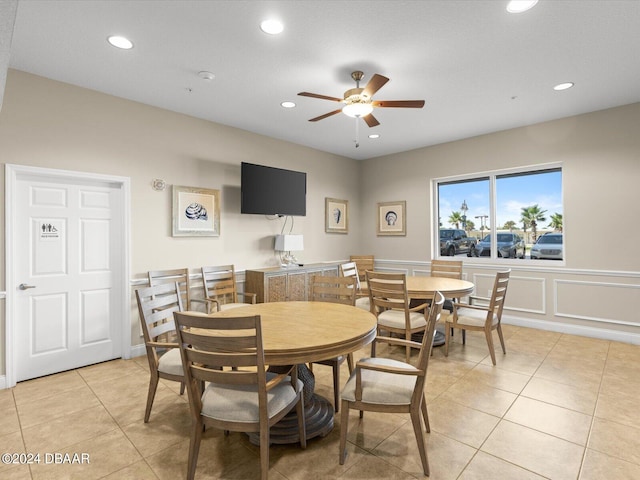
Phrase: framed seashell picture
[196,212]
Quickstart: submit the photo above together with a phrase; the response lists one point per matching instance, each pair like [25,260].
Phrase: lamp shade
[289,243]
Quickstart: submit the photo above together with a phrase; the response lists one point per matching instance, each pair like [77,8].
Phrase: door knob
[24,286]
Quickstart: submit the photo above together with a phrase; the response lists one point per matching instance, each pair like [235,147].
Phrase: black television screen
[272,191]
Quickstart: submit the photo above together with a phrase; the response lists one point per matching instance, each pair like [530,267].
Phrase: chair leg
[504,350]
[336,386]
[153,386]
[447,339]
[464,337]
[417,429]
[194,448]
[302,426]
[182,385]
[487,333]
[344,426]
[425,415]
[264,452]
[407,348]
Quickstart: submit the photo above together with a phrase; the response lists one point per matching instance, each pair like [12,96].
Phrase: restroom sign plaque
[48,231]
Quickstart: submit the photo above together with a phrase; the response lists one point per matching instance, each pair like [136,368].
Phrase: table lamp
[289,243]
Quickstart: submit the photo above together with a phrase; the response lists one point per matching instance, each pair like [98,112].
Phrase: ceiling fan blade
[325,115]
[375,84]
[371,120]
[399,103]
[323,97]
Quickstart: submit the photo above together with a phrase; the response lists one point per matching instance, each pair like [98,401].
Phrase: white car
[548,246]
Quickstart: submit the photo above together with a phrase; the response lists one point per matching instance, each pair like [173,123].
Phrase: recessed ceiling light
[272,26]
[206,75]
[288,104]
[563,86]
[374,135]
[519,6]
[120,42]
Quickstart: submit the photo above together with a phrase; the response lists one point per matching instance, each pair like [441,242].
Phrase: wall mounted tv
[272,191]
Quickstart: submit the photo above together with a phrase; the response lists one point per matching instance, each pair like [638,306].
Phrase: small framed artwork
[336,215]
[196,212]
[392,218]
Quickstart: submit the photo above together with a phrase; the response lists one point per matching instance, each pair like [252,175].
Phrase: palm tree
[455,218]
[470,226]
[531,216]
[556,221]
[510,225]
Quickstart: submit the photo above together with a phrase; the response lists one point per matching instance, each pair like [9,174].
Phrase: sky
[512,194]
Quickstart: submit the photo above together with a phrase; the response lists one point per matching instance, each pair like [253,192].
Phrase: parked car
[454,241]
[548,246]
[510,245]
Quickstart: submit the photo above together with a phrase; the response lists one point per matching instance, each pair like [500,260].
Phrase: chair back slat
[173,276]
[212,346]
[333,289]
[349,269]
[226,377]
[388,290]
[156,305]
[499,293]
[363,263]
[220,283]
[446,268]
[218,343]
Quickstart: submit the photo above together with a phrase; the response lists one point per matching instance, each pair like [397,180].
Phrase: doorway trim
[12,174]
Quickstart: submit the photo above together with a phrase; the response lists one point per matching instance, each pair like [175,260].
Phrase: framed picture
[336,215]
[392,218]
[196,212]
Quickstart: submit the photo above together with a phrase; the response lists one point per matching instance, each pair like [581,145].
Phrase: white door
[68,262]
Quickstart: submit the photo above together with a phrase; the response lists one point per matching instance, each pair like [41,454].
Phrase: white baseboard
[137,351]
[581,330]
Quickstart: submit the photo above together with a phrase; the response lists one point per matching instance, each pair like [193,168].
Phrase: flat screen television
[272,191]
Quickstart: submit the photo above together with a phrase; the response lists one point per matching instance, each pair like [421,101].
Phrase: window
[499,214]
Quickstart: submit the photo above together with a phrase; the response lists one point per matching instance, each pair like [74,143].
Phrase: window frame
[493,176]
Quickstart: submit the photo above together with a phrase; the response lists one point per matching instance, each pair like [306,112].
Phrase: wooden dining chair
[240,395]
[349,269]
[390,303]
[220,288]
[484,318]
[391,386]
[363,263]
[182,277]
[156,306]
[335,290]
[447,269]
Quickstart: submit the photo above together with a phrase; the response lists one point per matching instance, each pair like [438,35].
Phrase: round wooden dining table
[304,332]
[423,287]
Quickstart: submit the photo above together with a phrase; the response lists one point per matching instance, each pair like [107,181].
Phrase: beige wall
[597,291]
[51,124]
[600,155]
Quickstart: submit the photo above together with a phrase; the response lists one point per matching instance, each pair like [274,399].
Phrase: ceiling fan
[359,102]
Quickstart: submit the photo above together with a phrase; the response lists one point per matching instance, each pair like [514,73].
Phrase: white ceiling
[479,68]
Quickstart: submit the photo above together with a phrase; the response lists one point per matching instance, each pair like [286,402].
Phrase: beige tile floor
[556,406]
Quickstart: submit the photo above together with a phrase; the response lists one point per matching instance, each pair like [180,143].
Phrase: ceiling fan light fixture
[563,86]
[120,42]
[519,6]
[357,109]
[272,26]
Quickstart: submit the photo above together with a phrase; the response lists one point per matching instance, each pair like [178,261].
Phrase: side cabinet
[285,284]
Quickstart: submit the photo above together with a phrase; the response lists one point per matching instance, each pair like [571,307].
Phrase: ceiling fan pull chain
[357,133]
